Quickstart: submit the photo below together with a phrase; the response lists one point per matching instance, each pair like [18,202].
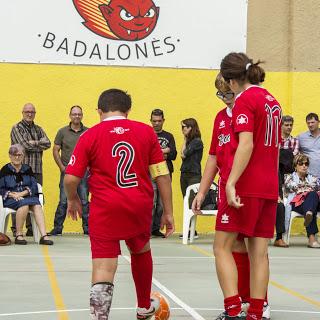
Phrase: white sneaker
[266,315]
[245,306]
[145,314]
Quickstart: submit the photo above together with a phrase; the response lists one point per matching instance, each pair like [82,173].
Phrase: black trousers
[187,179]
[280,219]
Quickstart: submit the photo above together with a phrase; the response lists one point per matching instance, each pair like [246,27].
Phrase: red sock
[255,309]
[243,267]
[141,268]
[232,305]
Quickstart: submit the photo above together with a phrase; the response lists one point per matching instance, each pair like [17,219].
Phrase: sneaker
[266,315]
[55,232]
[157,234]
[29,233]
[194,237]
[224,316]
[145,314]
[86,232]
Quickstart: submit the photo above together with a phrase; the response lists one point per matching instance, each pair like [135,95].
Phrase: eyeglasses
[225,96]
[29,112]
[303,164]
[17,155]
[184,126]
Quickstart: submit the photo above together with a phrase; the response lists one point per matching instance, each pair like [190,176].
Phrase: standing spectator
[34,140]
[121,154]
[168,148]
[191,155]
[64,144]
[309,142]
[288,142]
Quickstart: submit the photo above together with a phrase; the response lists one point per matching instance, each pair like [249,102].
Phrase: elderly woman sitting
[19,191]
[303,197]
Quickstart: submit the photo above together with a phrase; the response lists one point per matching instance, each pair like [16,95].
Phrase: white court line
[157,257]
[170,294]
[133,308]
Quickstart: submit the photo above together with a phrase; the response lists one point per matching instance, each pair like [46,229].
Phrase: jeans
[310,203]
[61,211]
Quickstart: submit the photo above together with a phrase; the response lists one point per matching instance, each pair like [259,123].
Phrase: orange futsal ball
[163,313]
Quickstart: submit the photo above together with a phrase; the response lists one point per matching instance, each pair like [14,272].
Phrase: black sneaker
[224,316]
[158,234]
[86,232]
[29,233]
[194,237]
[55,232]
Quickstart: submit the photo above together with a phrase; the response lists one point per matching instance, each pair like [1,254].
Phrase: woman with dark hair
[191,155]
[303,197]
[19,191]
[248,202]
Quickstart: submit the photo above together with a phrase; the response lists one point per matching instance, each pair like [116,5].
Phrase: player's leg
[142,268]
[104,266]
[259,275]
[227,271]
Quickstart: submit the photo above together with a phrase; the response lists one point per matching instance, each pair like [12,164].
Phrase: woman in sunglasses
[303,197]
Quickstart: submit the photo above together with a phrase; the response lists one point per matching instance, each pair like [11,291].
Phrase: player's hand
[168,222]
[197,202]
[74,209]
[232,198]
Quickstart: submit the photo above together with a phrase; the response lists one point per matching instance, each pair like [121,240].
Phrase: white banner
[157,33]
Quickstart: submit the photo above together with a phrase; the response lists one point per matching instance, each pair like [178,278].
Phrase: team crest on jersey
[119,130]
[242,119]
[222,124]
[270,98]
[72,160]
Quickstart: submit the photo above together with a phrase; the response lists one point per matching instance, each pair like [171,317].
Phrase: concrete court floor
[38,282]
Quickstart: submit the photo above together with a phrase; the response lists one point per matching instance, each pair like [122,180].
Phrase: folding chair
[189,218]
[5,212]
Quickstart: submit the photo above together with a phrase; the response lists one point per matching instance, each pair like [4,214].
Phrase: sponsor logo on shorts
[72,160]
[225,218]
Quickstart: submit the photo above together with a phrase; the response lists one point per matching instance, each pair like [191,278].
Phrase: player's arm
[160,173]
[71,183]
[240,162]
[208,176]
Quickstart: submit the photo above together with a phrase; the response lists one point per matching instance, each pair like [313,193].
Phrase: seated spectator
[19,190]
[303,198]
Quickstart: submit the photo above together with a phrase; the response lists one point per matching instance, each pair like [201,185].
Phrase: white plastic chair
[5,212]
[293,216]
[189,218]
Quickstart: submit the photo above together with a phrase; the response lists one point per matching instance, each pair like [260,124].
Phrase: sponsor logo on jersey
[225,218]
[222,124]
[119,130]
[223,139]
[270,98]
[242,119]
[72,160]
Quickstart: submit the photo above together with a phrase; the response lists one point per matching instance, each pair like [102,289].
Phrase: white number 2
[125,151]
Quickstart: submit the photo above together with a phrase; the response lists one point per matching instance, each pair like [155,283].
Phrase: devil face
[130,19]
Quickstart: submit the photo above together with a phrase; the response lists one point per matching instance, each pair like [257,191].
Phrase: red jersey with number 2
[118,153]
[257,111]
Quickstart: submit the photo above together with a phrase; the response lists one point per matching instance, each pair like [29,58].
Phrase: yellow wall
[180,93]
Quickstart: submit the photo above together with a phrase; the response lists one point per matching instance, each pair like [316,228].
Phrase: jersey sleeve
[242,116]
[79,160]
[58,138]
[214,138]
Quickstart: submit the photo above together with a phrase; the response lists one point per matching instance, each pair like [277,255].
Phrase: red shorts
[256,218]
[101,248]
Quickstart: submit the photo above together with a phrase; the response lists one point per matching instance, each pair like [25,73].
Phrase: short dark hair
[311,116]
[157,112]
[287,118]
[114,100]
[75,106]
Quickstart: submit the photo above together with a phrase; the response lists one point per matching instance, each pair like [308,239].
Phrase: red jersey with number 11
[118,153]
[257,111]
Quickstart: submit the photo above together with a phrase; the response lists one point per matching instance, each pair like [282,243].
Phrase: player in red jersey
[252,185]
[120,154]
[218,161]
